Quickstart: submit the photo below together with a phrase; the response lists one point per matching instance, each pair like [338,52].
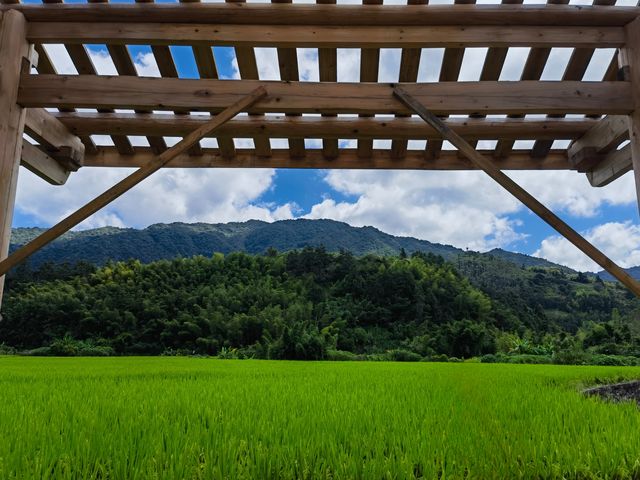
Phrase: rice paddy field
[189,418]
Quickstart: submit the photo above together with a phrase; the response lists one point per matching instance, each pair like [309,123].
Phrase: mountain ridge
[169,240]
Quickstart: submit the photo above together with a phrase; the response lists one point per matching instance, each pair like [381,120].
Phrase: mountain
[633,271]
[162,241]
[166,241]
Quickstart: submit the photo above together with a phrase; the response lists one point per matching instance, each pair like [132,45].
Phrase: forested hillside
[315,304]
[161,241]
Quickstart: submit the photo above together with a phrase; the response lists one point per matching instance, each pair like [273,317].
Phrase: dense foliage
[311,304]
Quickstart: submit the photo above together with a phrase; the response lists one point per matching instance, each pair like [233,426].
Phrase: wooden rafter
[279,126]
[314,158]
[331,98]
[337,15]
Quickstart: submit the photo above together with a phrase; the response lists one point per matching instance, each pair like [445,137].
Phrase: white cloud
[188,195]
[466,209]
[620,241]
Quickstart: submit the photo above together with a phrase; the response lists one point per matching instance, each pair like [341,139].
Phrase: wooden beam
[586,152]
[629,60]
[154,164]
[280,126]
[54,137]
[520,193]
[314,158]
[14,49]
[43,165]
[317,36]
[338,15]
[331,98]
[611,167]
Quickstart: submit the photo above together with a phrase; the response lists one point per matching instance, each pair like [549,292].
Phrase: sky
[464,209]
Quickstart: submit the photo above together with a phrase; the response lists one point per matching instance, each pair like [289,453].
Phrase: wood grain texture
[314,159]
[317,36]
[43,165]
[330,98]
[279,126]
[13,49]
[340,15]
[629,58]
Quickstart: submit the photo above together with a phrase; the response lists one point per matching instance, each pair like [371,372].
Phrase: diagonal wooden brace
[517,191]
[129,182]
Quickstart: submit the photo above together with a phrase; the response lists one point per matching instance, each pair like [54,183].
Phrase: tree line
[305,304]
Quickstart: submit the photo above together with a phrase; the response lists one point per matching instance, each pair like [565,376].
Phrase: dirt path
[618,392]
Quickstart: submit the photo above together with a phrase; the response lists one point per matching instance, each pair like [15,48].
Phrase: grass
[182,418]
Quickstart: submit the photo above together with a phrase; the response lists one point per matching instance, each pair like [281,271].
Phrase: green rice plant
[197,418]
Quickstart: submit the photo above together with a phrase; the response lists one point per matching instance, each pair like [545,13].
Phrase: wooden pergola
[601,119]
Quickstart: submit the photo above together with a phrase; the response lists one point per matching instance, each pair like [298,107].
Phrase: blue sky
[465,209]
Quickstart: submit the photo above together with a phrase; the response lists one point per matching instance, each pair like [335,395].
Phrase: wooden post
[129,182]
[13,49]
[629,62]
[520,193]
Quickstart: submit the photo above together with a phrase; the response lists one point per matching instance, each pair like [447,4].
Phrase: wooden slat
[84,66]
[207,69]
[575,70]
[347,159]
[409,66]
[279,126]
[43,165]
[533,68]
[124,65]
[337,15]
[369,65]
[328,66]
[288,66]
[449,72]
[521,194]
[494,62]
[317,36]
[248,68]
[298,97]
[46,67]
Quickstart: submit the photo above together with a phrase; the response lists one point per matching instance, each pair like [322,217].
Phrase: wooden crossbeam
[55,138]
[587,152]
[308,97]
[152,166]
[611,167]
[485,164]
[43,165]
[317,36]
[279,126]
[314,158]
[337,15]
